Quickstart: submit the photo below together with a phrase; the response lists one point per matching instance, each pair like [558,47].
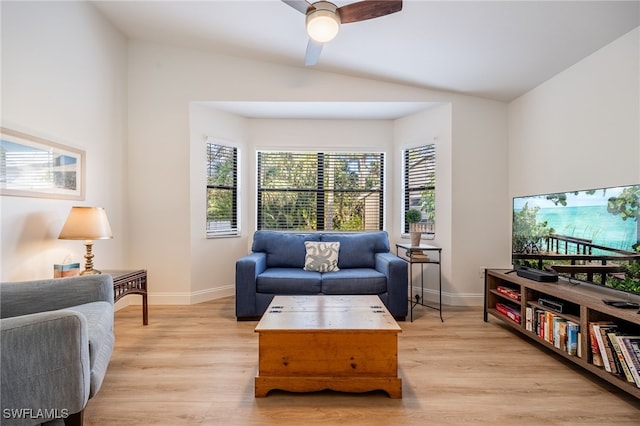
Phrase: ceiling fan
[323,19]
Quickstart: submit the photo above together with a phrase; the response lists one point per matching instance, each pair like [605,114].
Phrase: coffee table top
[327,313]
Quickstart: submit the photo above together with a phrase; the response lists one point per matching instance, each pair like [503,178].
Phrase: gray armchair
[56,340]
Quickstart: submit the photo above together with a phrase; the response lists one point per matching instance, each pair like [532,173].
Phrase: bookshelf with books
[573,321]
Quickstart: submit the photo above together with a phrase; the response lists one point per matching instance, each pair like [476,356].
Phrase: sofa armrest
[396,272]
[45,366]
[28,297]
[247,270]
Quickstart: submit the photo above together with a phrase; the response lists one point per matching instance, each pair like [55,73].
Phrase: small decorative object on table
[66,270]
[413,216]
[419,256]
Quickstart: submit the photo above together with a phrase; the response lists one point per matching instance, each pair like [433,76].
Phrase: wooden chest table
[342,343]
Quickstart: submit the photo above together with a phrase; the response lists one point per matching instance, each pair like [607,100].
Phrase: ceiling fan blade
[363,10]
[299,5]
[314,49]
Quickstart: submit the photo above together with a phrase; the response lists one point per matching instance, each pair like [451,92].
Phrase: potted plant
[413,216]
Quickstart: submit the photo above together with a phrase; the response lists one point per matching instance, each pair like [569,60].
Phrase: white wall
[64,78]
[142,111]
[581,129]
[434,125]
[211,276]
[164,81]
[326,135]
[479,237]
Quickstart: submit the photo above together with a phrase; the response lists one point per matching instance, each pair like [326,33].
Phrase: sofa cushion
[99,317]
[288,281]
[321,257]
[284,250]
[359,250]
[354,281]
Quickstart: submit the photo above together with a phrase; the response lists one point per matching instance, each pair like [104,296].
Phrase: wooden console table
[131,282]
[581,304]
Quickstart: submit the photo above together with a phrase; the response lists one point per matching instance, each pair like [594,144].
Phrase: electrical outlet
[481,272]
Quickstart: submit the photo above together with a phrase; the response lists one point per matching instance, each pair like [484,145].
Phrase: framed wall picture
[34,167]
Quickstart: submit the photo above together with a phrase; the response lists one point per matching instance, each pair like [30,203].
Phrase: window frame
[234,229]
[319,188]
[429,183]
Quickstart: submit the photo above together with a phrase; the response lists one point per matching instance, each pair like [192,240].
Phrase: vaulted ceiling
[497,50]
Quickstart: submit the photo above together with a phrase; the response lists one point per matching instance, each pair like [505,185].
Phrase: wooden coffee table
[342,343]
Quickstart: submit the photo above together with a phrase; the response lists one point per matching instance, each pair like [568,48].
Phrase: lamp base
[90,272]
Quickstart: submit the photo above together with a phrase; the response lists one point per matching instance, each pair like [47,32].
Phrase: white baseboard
[213,294]
[452,299]
[190,298]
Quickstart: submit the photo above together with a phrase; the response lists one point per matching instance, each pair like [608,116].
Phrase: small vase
[415,238]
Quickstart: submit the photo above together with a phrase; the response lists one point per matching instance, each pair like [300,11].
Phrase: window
[319,191]
[419,166]
[222,190]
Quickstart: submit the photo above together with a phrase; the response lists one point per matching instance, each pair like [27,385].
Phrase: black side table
[416,255]
[131,282]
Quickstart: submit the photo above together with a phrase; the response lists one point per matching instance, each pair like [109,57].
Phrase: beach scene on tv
[588,235]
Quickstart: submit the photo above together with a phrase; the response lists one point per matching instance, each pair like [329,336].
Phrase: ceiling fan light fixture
[323,23]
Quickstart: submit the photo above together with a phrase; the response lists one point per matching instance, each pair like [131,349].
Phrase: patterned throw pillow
[321,257]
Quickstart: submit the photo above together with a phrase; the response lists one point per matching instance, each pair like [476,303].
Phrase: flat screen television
[590,236]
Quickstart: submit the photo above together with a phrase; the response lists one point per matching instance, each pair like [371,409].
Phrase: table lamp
[87,223]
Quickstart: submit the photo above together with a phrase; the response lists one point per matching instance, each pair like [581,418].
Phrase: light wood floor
[196,365]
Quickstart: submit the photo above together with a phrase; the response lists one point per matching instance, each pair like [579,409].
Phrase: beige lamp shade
[86,223]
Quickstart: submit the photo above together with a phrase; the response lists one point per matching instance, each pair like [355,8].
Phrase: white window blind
[320,191]
[419,166]
[222,190]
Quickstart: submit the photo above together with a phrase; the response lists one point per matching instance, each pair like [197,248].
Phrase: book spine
[529,318]
[579,351]
[596,357]
[563,335]
[548,332]
[635,344]
[621,361]
[632,361]
[558,334]
[572,338]
[607,346]
[601,347]
[541,326]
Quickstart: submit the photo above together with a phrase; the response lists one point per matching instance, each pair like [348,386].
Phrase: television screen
[587,235]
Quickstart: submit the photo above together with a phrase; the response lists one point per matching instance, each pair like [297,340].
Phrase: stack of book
[511,312]
[509,292]
[615,351]
[554,329]
[419,256]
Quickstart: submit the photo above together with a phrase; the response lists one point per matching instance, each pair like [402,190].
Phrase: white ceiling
[497,50]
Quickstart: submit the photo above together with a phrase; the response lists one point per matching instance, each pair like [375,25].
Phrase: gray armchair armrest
[397,282]
[22,298]
[247,270]
[45,366]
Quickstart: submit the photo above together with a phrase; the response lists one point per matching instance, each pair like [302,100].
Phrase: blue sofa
[276,267]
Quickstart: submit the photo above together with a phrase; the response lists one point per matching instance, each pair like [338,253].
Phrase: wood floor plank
[195,365]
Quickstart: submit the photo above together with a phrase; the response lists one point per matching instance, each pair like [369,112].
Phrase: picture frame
[31,166]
